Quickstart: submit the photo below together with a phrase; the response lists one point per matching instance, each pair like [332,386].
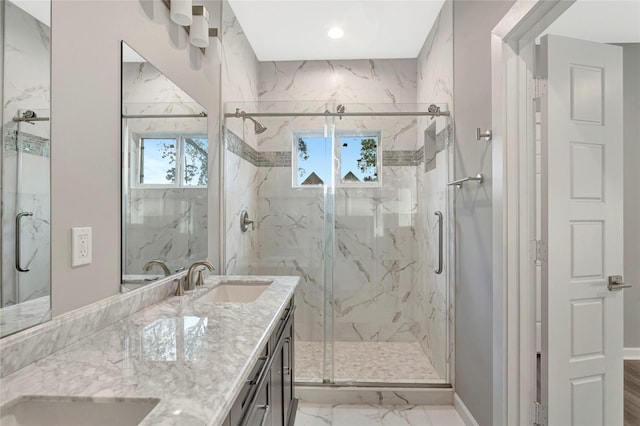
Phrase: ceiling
[610,21]
[282,30]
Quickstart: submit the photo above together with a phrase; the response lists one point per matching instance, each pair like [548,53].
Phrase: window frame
[137,158]
[336,158]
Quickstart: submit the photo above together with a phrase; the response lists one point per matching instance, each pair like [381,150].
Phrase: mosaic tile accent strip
[27,143]
[235,144]
[394,158]
[274,159]
[400,158]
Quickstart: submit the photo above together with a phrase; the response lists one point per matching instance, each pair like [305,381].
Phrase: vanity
[197,359]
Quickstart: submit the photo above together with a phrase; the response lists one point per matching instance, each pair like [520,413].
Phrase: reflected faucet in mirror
[150,264]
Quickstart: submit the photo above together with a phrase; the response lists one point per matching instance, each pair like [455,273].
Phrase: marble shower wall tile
[433,313]
[370,82]
[239,87]
[375,261]
[239,73]
[290,234]
[241,179]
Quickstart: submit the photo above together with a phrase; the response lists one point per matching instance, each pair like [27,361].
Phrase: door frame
[514,217]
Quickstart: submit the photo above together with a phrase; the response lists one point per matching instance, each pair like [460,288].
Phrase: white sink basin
[67,411]
[231,291]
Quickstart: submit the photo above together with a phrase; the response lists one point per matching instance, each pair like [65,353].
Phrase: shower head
[257,127]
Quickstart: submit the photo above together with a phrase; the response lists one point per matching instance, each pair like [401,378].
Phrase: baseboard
[463,411]
[631,353]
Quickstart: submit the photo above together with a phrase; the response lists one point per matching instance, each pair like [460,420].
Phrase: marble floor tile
[376,415]
[314,415]
[388,362]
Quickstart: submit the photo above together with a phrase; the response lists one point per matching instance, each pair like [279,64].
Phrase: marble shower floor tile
[389,362]
[374,415]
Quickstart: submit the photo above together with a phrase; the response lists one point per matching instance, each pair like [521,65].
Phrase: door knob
[616,283]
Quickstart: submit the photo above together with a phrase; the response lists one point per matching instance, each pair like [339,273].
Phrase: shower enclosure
[353,199]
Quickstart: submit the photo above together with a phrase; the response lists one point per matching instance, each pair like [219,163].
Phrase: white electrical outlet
[80,246]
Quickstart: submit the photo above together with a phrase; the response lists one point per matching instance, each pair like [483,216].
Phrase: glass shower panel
[285,178]
[389,313]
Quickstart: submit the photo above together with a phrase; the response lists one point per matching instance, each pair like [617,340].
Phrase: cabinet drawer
[260,413]
[248,388]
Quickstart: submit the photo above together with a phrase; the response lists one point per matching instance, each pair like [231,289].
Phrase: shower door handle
[439,214]
[19,217]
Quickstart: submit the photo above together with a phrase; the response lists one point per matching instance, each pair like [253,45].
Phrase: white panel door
[581,180]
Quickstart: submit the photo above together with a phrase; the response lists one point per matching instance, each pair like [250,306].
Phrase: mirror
[26,262]
[164,174]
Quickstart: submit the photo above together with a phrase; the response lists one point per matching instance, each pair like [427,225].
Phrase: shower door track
[340,114]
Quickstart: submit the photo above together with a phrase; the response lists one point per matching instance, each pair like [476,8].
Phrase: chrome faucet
[147,266]
[190,285]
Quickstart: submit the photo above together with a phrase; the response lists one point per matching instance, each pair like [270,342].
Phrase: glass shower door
[389,306]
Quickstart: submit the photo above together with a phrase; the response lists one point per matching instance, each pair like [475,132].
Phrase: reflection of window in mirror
[173,160]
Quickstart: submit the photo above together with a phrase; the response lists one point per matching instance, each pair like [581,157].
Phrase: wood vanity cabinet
[266,399]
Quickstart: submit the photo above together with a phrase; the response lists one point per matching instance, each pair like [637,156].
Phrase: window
[173,160]
[358,158]
[358,154]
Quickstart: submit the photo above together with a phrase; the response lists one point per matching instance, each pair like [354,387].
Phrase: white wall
[631,55]
[85,129]
[472,25]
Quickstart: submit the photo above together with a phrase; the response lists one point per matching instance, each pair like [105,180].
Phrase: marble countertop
[193,356]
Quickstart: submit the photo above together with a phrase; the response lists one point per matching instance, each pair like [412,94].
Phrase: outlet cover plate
[80,246]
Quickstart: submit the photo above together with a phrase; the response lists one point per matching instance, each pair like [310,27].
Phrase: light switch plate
[80,246]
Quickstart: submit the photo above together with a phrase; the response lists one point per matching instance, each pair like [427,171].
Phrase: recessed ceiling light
[335,32]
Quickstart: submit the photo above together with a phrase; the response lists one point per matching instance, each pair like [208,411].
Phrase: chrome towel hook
[478,178]
[486,135]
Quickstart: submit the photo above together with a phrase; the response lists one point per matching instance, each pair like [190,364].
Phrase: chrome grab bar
[19,217]
[439,214]
[478,178]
